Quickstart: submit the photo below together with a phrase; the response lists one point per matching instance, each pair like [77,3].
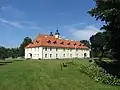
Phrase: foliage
[26,41]
[98,44]
[99,75]
[9,52]
[85,42]
[109,12]
[3,53]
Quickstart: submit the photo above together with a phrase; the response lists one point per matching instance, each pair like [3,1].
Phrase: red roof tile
[51,41]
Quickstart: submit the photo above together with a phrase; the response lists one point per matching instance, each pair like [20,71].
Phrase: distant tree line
[97,45]
[14,52]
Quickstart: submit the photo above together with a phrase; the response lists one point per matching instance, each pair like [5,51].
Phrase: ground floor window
[45,55]
[50,55]
[37,55]
[85,54]
[63,55]
[56,55]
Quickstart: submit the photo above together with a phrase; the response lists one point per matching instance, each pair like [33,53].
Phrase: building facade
[54,47]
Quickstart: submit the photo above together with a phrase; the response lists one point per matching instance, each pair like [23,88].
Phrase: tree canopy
[98,44]
[85,42]
[109,12]
[27,40]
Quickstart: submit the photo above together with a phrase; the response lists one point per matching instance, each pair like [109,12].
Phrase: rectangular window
[64,49]
[76,49]
[50,49]
[27,55]
[71,50]
[63,55]
[46,49]
[56,49]
[34,55]
[70,55]
[45,55]
[56,55]
[37,55]
[50,55]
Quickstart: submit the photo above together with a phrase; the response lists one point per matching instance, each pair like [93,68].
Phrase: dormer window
[62,43]
[54,42]
[49,42]
[75,44]
[80,45]
[37,41]
[68,44]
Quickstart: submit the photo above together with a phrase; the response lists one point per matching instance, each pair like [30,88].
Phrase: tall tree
[85,42]
[3,53]
[26,41]
[98,43]
[109,12]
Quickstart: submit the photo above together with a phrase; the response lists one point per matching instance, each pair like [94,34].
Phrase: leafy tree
[26,41]
[85,42]
[3,53]
[109,12]
[98,43]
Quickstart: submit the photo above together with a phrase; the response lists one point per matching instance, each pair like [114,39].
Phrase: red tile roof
[51,41]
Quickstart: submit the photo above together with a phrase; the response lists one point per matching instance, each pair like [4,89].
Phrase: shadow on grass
[112,68]
[4,62]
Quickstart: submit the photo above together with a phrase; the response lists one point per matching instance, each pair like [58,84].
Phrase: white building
[53,47]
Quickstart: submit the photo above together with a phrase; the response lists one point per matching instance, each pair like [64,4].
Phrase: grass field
[46,75]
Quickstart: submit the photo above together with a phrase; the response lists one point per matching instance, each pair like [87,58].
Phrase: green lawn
[46,75]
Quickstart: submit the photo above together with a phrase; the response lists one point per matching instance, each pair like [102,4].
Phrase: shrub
[99,75]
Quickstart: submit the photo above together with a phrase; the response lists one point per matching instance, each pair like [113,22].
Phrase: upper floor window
[64,49]
[50,49]
[45,48]
[76,49]
[45,55]
[56,49]
[56,55]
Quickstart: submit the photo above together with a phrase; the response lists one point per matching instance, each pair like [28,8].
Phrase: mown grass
[47,75]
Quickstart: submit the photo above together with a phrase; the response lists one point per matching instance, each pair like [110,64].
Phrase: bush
[99,75]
